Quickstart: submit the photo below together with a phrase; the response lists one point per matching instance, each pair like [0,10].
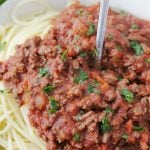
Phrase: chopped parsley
[110,37]
[91,29]
[119,48]
[83,54]
[80,12]
[109,110]
[105,127]
[64,55]
[77,137]
[137,47]
[2,1]
[2,45]
[43,72]
[119,78]
[92,89]
[134,26]
[2,91]
[80,114]
[147,60]
[129,96]
[58,47]
[94,53]
[125,136]
[76,38]
[48,88]
[54,105]
[138,128]
[81,77]
[124,13]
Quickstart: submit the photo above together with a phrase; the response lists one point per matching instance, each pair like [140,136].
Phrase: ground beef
[73,104]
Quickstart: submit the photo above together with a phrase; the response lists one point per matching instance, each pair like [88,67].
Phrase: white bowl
[139,8]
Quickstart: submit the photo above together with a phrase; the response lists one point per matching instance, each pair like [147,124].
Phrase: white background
[140,8]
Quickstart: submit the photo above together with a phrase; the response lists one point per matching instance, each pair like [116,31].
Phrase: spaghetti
[15,129]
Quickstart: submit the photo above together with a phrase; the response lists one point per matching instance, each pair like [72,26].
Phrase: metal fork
[104,7]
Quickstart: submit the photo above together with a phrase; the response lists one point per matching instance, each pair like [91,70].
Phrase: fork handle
[104,7]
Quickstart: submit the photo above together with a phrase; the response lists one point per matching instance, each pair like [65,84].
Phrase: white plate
[138,8]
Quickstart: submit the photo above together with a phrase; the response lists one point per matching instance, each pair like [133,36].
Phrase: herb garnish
[58,47]
[92,89]
[137,47]
[80,114]
[77,137]
[125,136]
[2,1]
[94,53]
[80,12]
[43,72]
[147,60]
[2,45]
[119,47]
[110,37]
[138,128]
[54,105]
[129,96]
[105,127]
[134,26]
[64,55]
[91,29]
[81,77]
[83,54]
[109,110]
[119,78]
[124,13]
[2,91]
[48,88]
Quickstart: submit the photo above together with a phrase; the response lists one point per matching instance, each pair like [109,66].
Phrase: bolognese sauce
[75,105]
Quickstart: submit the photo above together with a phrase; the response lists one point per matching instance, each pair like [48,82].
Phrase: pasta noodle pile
[15,129]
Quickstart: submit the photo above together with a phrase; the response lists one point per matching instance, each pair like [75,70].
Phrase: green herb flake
[138,128]
[129,96]
[81,77]
[77,137]
[76,39]
[137,47]
[2,91]
[58,47]
[83,54]
[119,78]
[91,29]
[109,110]
[147,60]
[48,89]
[80,12]
[80,114]
[94,53]
[2,1]
[105,127]
[64,55]
[119,48]
[92,89]
[110,37]
[134,26]
[3,45]
[124,13]
[54,105]
[125,136]
[96,83]
[43,72]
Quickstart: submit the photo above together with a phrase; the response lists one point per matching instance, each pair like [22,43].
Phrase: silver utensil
[104,7]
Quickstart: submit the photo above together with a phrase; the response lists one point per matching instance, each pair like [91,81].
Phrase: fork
[104,7]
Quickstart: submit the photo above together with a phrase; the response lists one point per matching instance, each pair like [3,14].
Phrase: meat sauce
[73,104]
